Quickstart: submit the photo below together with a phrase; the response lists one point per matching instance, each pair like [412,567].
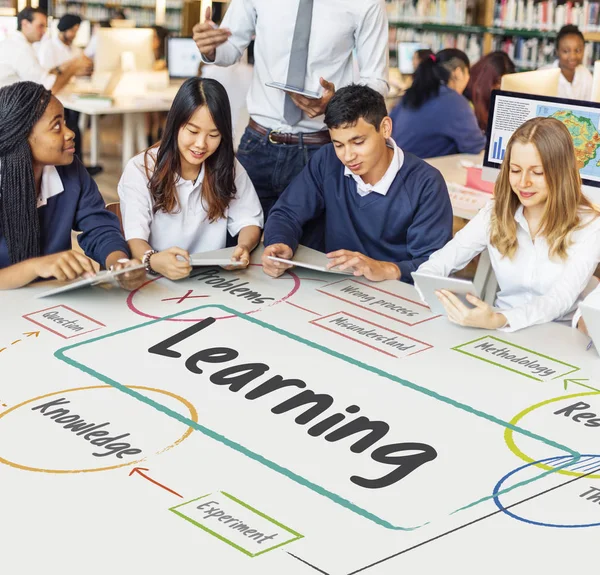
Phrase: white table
[132,108]
[206,439]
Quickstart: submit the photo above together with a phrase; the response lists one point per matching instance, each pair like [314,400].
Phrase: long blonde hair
[565,200]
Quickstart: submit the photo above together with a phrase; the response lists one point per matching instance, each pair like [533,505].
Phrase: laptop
[591,316]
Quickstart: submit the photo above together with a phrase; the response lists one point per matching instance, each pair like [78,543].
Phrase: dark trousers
[271,168]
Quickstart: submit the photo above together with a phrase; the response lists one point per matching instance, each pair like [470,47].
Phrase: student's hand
[582,327]
[373,270]
[131,280]
[168,264]
[64,266]
[207,36]
[275,269]
[312,107]
[83,65]
[482,315]
[240,254]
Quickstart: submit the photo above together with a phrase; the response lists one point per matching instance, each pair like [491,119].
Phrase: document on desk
[467,199]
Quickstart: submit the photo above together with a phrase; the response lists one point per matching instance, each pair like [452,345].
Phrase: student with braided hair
[45,192]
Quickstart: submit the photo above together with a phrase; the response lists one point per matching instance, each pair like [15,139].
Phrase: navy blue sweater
[443,125]
[79,207]
[408,224]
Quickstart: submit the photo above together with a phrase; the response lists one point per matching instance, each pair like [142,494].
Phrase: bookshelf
[142,11]
[525,29]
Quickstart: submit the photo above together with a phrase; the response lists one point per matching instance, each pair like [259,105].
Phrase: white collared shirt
[534,289]
[19,63]
[188,228]
[382,186]
[581,86]
[338,27]
[51,185]
[53,52]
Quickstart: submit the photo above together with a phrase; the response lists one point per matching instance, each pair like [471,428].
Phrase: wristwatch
[146,262]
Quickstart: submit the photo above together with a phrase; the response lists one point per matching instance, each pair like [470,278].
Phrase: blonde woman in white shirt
[183,195]
[542,234]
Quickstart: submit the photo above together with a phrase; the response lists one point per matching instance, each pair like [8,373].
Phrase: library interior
[337,192]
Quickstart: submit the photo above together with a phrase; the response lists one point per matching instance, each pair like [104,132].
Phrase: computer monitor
[134,44]
[8,24]
[406,51]
[508,110]
[183,57]
[542,82]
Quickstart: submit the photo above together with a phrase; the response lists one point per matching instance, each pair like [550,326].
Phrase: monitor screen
[508,110]
[183,57]
[406,51]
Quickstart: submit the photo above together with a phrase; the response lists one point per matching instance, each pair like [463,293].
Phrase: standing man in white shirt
[19,62]
[308,44]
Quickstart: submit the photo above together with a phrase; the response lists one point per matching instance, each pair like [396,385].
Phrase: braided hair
[21,106]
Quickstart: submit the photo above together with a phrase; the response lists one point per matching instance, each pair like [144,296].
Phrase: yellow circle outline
[193,417]
[510,442]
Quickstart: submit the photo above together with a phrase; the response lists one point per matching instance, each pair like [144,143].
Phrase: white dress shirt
[534,289]
[188,228]
[19,63]
[581,86]
[383,185]
[53,52]
[338,27]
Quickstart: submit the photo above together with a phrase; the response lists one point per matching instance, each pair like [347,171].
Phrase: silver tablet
[427,284]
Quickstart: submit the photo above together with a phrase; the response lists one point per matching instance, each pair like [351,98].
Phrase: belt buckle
[273,132]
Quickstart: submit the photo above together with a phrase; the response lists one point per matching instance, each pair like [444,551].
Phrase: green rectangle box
[255,511]
[458,348]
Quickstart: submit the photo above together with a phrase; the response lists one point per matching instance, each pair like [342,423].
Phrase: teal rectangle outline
[458,348]
[223,538]
[61,355]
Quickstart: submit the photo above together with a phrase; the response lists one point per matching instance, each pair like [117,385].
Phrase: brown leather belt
[275,137]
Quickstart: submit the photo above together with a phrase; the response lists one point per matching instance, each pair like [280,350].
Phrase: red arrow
[30,333]
[139,471]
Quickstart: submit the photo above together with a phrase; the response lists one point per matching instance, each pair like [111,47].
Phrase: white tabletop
[225,457]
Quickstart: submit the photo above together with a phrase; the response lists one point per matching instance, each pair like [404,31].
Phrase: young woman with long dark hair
[185,193]
[45,193]
[433,118]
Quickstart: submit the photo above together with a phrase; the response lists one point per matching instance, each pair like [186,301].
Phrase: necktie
[298,59]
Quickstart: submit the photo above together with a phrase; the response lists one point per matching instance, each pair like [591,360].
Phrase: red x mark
[186,296]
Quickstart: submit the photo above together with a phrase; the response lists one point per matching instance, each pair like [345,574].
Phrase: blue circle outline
[498,487]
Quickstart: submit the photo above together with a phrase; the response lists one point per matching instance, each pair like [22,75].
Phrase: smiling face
[197,140]
[361,148]
[51,142]
[570,52]
[527,178]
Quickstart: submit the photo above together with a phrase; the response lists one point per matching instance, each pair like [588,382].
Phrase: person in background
[485,77]
[45,193]
[421,55]
[57,51]
[434,118]
[541,232]
[575,80]
[308,44]
[185,194]
[385,211]
[19,62]
[155,120]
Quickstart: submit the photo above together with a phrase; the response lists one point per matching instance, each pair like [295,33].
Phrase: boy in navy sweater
[383,211]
